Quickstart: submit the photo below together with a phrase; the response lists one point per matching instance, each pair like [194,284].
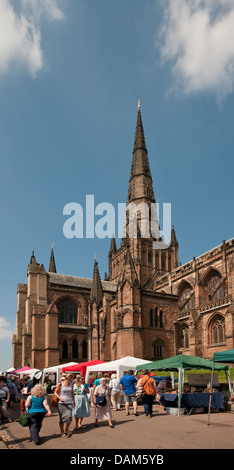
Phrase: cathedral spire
[140,182]
[96,289]
[52,267]
[140,189]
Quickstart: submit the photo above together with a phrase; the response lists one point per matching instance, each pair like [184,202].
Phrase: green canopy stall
[225,357]
[181,363]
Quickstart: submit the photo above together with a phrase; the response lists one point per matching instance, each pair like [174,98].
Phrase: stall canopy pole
[181,381]
[227,372]
[211,390]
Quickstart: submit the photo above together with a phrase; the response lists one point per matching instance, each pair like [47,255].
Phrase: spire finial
[139,104]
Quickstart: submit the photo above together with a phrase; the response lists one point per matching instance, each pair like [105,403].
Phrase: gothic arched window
[68,310]
[84,350]
[190,304]
[212,280]
[151,318]
[184,337]
[217,330]
[186,301]
[156,317]
[220,293]
[161,319]
[65,349]
[75,348]
[158,349]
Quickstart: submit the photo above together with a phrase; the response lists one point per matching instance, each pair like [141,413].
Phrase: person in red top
[150,390]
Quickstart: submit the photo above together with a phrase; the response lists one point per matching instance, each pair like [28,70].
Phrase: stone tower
[141,224]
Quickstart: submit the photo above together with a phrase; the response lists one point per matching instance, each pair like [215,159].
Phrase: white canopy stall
[54,370]
[31,373]
[119,367]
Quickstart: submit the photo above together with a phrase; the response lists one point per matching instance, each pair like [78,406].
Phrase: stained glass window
[67,311]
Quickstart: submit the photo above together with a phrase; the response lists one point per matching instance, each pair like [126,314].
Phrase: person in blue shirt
[13,392]
[37,406]
[97,381]
[128,386]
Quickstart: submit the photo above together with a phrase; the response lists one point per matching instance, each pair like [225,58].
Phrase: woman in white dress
[81,410]
[102,412]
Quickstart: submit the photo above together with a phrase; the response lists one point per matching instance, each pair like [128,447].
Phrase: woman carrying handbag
[102,403]
[66,401]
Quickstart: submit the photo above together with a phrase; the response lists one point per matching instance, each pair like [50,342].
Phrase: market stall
[31,373]
[26,371]
[226,357]
[193,400]
[181,363]
[54,371]
[120,366]
[22,370]
[81,367]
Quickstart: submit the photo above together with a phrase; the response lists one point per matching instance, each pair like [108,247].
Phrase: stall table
[193,400]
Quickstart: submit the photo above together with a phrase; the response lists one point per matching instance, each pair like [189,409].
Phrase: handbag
[140,392]
[24,419]
[54,401]
[101,400]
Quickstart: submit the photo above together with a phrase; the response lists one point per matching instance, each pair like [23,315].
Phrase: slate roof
[73,281]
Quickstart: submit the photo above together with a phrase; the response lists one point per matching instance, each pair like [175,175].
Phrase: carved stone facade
[147,306]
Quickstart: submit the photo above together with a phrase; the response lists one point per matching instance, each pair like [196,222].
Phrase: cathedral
[149,306]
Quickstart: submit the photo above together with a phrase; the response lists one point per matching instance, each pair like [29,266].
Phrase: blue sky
[71,73]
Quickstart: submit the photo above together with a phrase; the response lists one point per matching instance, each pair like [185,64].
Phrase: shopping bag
[24,419]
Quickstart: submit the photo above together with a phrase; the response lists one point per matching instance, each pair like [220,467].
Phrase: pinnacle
[96,289]
[52,266]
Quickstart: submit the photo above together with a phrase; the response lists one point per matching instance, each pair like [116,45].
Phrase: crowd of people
[75,398]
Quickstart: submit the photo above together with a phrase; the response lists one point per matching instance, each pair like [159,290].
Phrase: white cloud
[20,35]
[6,331]
[197,40]
[48,8]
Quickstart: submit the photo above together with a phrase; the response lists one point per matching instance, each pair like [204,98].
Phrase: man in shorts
[128,386]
